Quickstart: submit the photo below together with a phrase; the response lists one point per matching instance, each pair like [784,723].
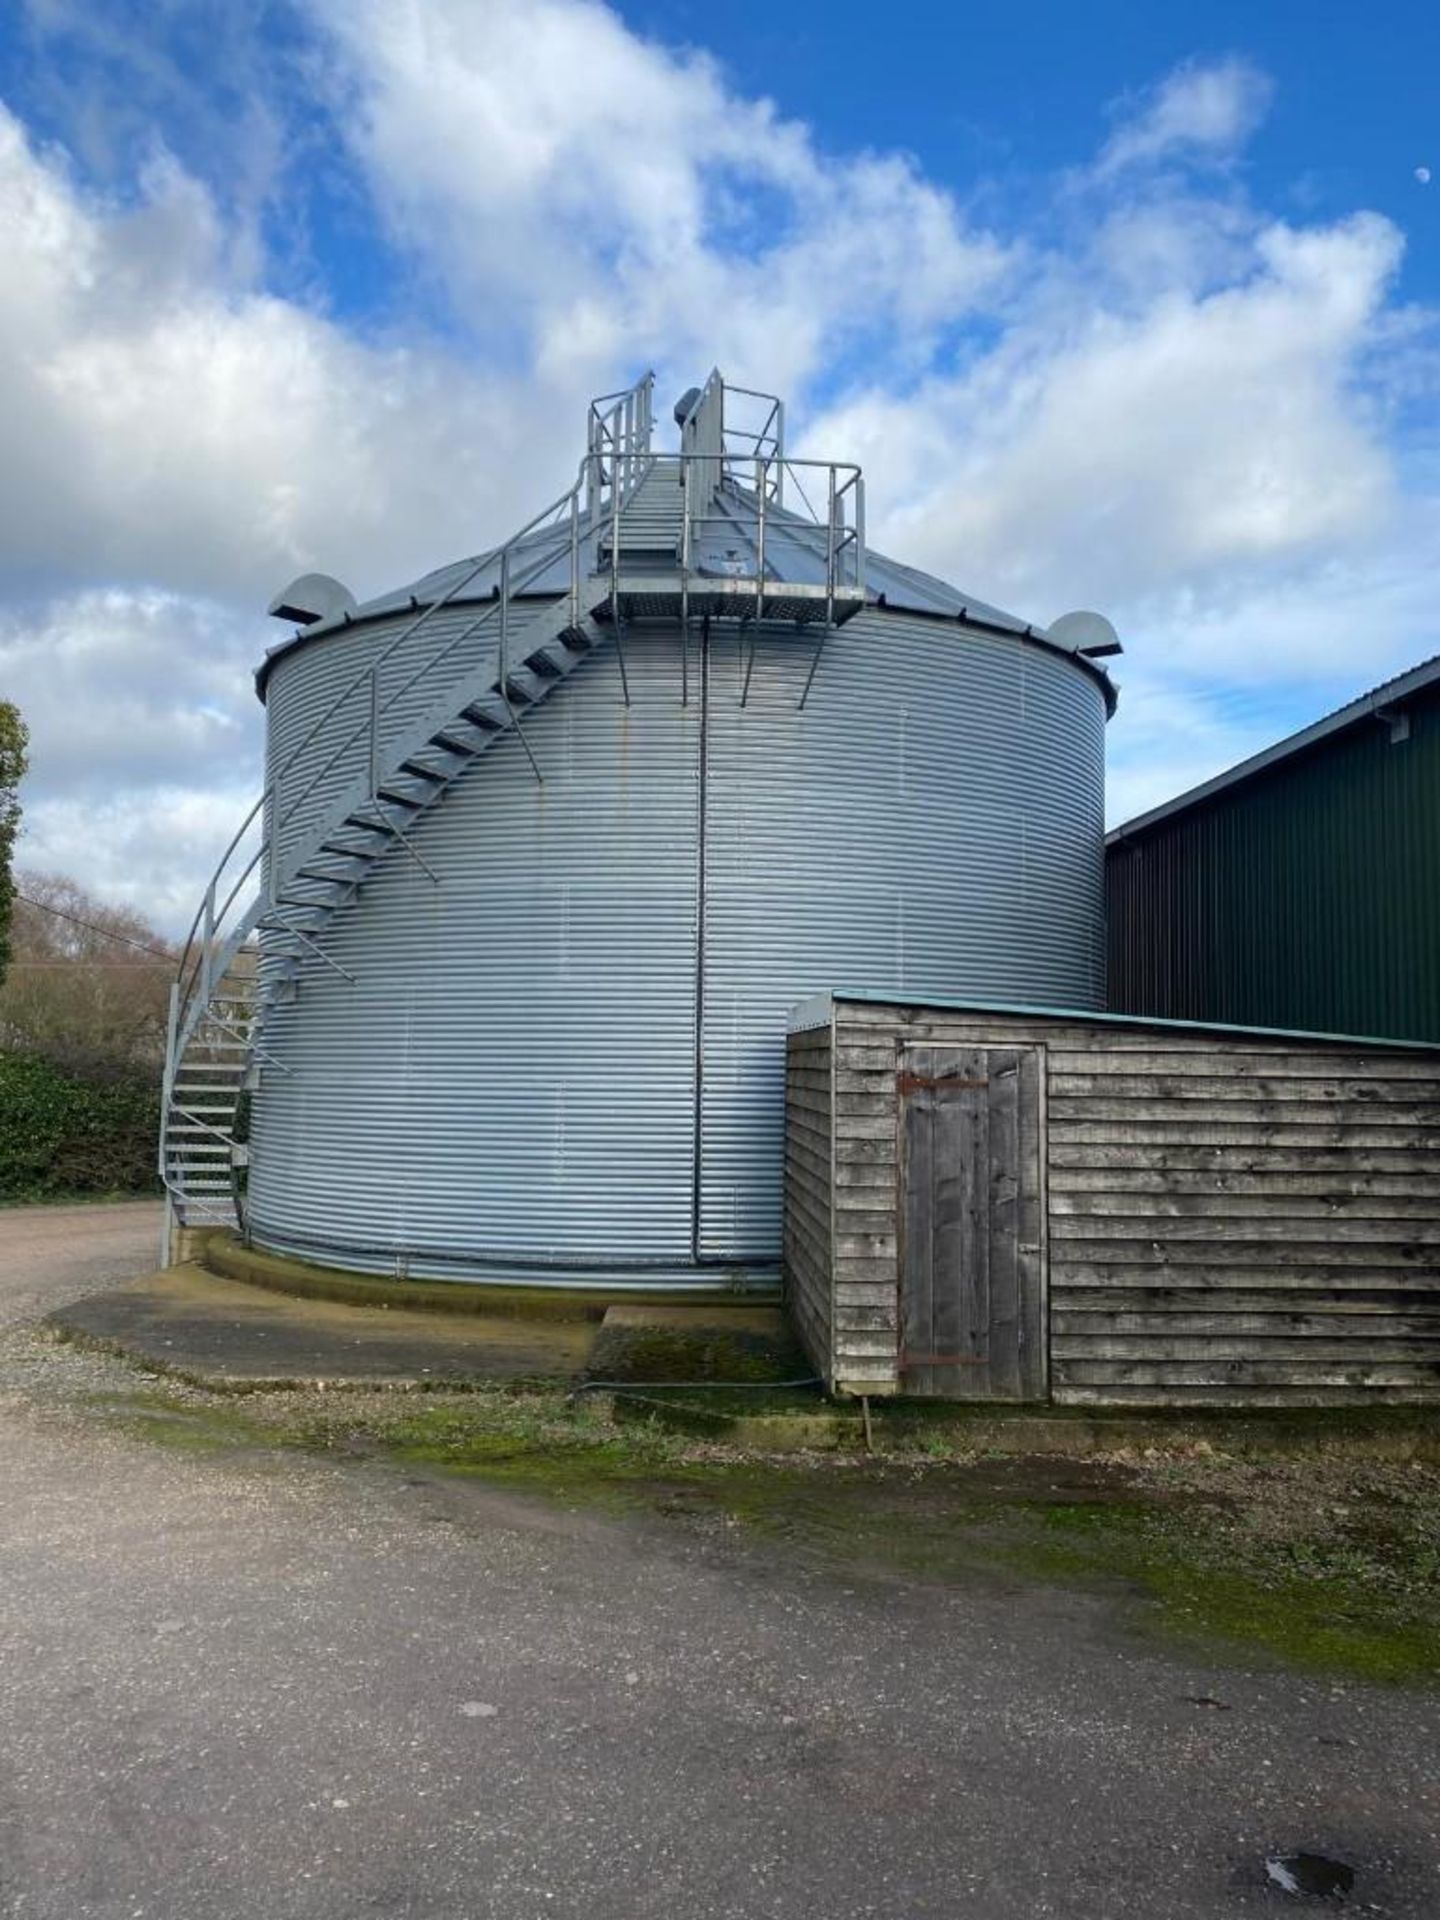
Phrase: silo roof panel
[794,554]
[726,540]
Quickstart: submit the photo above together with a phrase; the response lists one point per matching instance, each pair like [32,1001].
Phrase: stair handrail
[213,911]
[628,426]
[616,461]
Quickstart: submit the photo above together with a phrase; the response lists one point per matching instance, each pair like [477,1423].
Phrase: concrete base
[223,1253]
[186,1243]
[221,1333]
[702,1343]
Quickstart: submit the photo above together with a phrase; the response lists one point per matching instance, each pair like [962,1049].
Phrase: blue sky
[1119,305]
[1012,95]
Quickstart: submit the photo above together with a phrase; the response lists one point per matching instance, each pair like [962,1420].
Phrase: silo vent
[311,598]
[1088,633]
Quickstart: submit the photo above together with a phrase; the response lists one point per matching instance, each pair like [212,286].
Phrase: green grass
[182,1424]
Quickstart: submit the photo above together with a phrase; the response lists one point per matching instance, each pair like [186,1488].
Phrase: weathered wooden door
[972,1255]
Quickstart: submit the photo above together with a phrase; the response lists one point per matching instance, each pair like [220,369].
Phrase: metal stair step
[545,669]
[437,762]
[338,866]
[557,657]
[314,890]
[360,843]
[524,686]
[463,737]
[407,789]
[381,816]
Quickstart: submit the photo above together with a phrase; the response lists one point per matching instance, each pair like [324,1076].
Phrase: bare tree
[88,984]
[14,740]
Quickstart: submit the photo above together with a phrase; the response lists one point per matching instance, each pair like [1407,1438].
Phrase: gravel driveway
[240,1684]
[49,1255]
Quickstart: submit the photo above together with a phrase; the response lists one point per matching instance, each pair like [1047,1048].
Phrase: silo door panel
[972,1257]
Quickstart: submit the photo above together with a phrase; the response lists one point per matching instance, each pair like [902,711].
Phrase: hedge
[63,1135]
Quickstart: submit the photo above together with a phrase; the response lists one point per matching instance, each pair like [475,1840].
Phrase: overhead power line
[69,966]
[106,933]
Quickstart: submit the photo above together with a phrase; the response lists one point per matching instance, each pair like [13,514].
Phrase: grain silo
[552,840]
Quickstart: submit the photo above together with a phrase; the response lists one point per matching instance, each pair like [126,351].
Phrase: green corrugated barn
[1299,890]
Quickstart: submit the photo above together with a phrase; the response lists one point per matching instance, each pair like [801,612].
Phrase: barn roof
[1381,701]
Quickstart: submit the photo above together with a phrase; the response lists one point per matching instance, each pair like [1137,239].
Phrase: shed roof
[815,1012]
[1389,695]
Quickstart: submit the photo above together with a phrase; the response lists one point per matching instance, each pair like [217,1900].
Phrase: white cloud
[1107,455]
[124,689]
[619,203]
[1170,410]
[178,427]
[1203,110]
[145,739]
[153,850]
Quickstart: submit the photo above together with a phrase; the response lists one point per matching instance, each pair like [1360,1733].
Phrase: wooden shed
[1014,1204]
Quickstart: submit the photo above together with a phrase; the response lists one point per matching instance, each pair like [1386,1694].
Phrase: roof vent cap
[312,598]
[1087,633]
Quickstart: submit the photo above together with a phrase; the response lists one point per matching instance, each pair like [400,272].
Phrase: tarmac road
[50,1255]
[264,1686]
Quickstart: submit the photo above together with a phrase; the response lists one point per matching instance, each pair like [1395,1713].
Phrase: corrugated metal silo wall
[1308,897]
[512,1077]
[317,745]
[512,1073]
[932,823]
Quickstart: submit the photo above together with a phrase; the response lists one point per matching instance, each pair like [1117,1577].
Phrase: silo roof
[795,554]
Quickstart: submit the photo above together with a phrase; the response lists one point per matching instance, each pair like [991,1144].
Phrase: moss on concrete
[701,1350]
[1257,1559]
[1312,1602]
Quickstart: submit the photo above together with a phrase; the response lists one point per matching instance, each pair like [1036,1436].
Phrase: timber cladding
[1209,1216]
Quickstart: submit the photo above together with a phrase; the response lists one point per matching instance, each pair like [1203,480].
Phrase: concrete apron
[239,1334]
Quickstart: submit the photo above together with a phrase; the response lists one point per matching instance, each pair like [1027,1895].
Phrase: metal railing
[835,533]
[617,440]
[620,429]
[765,443]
